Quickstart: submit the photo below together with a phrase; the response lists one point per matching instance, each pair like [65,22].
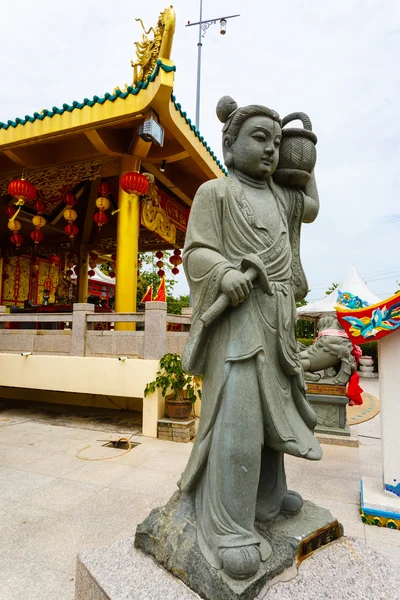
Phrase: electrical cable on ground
[123,439]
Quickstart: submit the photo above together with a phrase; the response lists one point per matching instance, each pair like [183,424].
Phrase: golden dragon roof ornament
[148,50]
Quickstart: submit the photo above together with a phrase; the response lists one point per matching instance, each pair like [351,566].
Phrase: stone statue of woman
[254,408]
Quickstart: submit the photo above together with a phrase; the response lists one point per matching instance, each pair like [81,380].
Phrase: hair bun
[225,107]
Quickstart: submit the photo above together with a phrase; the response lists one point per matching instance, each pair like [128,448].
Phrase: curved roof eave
[42,120]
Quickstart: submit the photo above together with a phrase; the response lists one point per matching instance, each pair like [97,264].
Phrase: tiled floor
[54,505]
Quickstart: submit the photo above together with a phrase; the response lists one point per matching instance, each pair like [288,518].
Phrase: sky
[335,60]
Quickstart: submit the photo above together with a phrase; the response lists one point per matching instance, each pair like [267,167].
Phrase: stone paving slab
[344,570]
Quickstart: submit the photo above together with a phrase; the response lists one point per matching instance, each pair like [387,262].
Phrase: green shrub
[305,341]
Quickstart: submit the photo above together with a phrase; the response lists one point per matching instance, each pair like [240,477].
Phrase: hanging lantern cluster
[70,215]
[103,204]
[113,265]
[72,266]
[160,264]
[92,264]
[176,260]
[39,221]
[21,190]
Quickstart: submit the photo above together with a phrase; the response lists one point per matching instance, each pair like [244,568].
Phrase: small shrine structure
[90,184]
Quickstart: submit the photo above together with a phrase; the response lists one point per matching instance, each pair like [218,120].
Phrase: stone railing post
[155,330]
[3,310]
[80,310]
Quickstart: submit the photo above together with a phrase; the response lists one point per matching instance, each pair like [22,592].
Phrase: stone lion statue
[331,353]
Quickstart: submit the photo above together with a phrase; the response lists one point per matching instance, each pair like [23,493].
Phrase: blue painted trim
[376,513]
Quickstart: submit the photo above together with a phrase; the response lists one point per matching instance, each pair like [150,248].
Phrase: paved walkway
[54,505]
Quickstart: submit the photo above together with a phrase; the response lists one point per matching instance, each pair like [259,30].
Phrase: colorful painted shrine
[380,496]
[78,149]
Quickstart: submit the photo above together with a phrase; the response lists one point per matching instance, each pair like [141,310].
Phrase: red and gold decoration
[160,264]
[103,204]
[134,183]
[70,215]
[161,295]
[22,191]
[148,296]
[39,221]
[175,260]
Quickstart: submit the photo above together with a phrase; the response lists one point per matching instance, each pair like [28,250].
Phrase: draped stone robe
[252,345]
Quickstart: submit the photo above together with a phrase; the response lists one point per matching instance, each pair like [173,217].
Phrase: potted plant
[185,388]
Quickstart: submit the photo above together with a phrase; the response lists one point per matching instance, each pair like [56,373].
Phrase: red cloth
[161,292]
[354,391]
[148,297]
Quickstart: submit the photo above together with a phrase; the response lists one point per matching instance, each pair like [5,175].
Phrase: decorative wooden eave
[106,127]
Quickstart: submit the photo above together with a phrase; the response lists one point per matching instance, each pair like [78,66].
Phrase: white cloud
[335,60]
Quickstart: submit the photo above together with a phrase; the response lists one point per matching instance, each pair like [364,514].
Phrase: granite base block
[331,413]
[169,534]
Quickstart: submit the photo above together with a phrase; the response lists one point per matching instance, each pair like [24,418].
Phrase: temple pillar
[83,281]
[127,246]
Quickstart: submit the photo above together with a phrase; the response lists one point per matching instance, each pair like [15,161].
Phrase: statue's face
[256,148]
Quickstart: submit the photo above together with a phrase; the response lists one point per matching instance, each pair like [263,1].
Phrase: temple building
[84,186]
[68,166]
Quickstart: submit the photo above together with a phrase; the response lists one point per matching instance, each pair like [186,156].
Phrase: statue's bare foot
[242,562]
[308,376]
[291,504]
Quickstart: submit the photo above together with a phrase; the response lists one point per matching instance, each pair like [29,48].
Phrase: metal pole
[199,45]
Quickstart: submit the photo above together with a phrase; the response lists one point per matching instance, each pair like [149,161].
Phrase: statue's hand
[236,285]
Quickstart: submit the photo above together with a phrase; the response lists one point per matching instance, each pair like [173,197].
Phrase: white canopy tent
[351,283]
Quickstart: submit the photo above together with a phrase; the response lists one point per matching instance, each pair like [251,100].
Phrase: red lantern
[36,235]
[134,183]
[38,205]
[54,259]
[159,264]
[91,273]
[104,188]
[175,271]
[175,260]
[161,273]
[10,211]
[100,219]
[69,272]
[71,230]
[17,239]
[159,254]
[112,274]
[76,270]
[177,252]
[113,257]
[69,199]
[22,189]
[93,256]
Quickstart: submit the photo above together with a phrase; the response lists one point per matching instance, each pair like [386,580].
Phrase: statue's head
[251,137]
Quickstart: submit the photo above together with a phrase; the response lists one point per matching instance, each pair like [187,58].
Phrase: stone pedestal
[176,431]
[169,534]
[380,500]
[366,368]
[329,403]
